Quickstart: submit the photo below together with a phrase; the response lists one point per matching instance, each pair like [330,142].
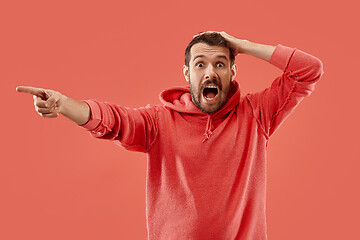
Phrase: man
[206,144]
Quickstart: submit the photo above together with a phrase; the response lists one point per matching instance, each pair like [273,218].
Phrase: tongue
[210,93]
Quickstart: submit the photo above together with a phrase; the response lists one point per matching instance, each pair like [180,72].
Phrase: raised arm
[301,72]
[49,104]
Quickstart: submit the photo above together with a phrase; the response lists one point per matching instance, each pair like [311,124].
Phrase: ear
[186,72]
[233,72]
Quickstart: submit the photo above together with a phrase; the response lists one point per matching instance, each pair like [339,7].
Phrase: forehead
[208,51]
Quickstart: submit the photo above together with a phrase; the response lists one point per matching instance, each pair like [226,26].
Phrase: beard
[194,98]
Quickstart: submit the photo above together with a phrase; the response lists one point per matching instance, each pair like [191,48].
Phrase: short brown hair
[211,39]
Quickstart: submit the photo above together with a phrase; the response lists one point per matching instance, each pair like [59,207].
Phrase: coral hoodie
[206,173]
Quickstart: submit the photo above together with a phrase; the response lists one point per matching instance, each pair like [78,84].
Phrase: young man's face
[209,75]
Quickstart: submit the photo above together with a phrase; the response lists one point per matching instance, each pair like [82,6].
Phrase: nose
[210,73]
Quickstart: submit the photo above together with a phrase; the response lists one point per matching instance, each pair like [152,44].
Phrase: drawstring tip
[207,135]
[208,130]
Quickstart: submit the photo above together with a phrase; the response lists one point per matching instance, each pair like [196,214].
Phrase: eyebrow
[218,56]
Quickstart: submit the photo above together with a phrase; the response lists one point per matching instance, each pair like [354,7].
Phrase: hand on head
[235,43]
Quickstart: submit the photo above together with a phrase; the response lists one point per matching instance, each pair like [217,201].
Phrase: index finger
[32,90]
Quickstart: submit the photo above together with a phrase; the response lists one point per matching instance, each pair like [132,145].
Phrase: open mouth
[210,92]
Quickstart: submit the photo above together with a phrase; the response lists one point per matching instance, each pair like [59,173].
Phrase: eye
[220,65]
[200,64]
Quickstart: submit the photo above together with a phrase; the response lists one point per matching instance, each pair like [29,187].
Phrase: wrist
[258,50]
[76,110]
[63,107]
[245,46]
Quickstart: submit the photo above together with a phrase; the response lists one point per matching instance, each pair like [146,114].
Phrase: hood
[179,99]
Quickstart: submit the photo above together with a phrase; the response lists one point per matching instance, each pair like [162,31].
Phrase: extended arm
[134,129]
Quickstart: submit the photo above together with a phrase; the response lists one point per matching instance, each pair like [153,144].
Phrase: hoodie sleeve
[132,128]
[274,104]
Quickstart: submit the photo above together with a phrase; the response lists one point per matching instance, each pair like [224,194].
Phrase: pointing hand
[47,102]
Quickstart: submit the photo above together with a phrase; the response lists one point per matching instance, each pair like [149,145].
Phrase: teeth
[210,86]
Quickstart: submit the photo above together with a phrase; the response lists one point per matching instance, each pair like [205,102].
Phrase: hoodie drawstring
[208,131]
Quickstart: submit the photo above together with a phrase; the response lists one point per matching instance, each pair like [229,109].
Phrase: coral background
[57,182]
